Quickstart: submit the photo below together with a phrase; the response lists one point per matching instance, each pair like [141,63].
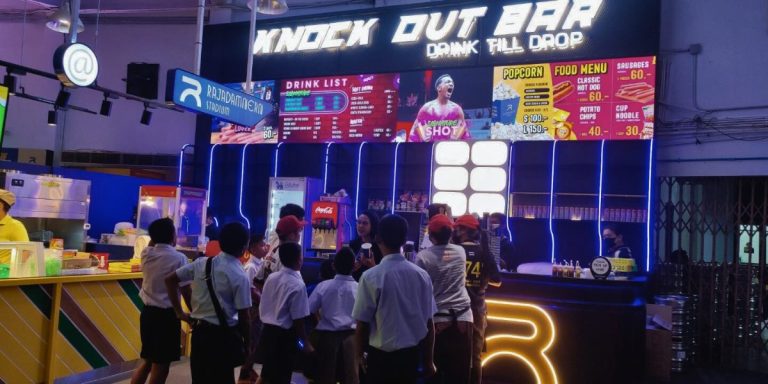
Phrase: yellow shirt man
[12,230]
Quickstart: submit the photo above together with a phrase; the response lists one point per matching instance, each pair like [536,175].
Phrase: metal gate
[710,240]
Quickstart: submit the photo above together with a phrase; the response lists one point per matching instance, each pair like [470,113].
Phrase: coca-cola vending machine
[329,220]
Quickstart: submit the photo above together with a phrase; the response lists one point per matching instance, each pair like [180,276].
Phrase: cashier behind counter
[10,228]
[613,243]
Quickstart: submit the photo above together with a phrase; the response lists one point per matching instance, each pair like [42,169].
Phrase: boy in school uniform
[335,299]
[394,308]
[288,230]
[284,305]
[257,249]
[228,289]
[160,330]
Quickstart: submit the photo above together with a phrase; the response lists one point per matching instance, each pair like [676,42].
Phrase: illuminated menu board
[339,109]
[609,99]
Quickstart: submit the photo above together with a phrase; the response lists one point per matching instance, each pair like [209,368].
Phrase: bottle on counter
[578,270]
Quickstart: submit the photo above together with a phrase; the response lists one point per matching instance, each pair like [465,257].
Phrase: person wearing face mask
[613,243]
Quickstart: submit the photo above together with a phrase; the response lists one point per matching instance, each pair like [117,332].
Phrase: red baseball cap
[289,224]
[438,223]
[468,221]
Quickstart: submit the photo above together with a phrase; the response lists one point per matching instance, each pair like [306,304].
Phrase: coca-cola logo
[324,210]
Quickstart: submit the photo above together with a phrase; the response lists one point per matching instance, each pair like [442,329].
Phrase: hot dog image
[639,92]
[563,89]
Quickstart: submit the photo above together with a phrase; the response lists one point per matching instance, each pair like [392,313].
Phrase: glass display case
[185,205]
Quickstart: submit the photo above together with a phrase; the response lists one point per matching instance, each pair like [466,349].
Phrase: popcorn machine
[185,205]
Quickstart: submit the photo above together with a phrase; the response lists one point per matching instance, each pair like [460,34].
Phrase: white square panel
[488,179]
[456,200]
[452,153]
[490,153]
[481,203]
[451,178]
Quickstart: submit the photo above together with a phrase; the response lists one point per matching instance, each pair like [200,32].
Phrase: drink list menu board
[339,109]
[610,99]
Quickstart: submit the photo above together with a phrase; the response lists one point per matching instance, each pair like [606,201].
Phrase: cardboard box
[658,342]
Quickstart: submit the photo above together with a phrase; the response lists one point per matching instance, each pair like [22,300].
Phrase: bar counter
[53,327]
[548,330]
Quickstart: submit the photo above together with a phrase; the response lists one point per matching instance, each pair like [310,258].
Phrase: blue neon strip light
[509,189]
[394,177]
[648,210]
[210,173]
[431,169]
[242,181]
[277,153]
[552,199]
[325,174]
[357,188]
[600,200]
[181,161]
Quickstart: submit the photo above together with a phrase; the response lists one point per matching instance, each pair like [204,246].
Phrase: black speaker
[142,80]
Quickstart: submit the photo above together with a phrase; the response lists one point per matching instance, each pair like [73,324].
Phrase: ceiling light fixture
[52,118]
[146,116]
[10,82]
[269,7]
[61,20]
[106,106]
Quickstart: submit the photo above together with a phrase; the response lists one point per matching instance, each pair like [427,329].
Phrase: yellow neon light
[531,349]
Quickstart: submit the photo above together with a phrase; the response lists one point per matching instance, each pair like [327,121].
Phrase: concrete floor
[180,373]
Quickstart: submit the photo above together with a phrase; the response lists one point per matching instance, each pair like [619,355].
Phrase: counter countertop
[69,279]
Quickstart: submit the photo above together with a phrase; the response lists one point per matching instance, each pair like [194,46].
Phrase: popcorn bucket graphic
[504,111]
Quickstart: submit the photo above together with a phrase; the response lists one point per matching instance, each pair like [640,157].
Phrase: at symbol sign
[76,65]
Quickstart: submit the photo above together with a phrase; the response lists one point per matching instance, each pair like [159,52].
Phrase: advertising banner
[582,100]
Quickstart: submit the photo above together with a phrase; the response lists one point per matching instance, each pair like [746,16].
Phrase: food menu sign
[610,99]
[339,109]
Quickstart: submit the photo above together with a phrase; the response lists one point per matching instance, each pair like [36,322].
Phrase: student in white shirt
[273,240]
[288,230]
[210,361]
[257,249]
[446,265]
[159,328]
[284,305]
[394,309]
[334,299]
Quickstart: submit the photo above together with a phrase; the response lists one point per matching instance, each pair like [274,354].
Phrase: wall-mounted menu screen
[581,100]
[343,109]
[610,99]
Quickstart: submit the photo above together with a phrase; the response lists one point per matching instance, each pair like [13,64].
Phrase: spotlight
[52,118]
[62,99]
[106,107]
[61,20]
[146,116]
[10,82]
